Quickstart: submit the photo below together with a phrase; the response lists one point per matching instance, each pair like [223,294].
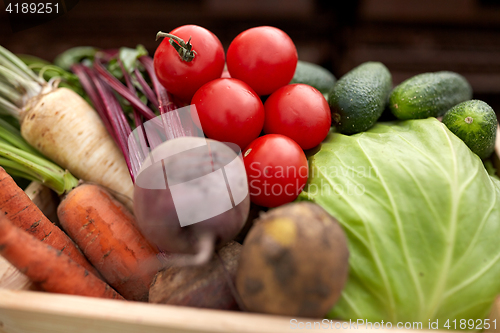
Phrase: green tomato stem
[185,50]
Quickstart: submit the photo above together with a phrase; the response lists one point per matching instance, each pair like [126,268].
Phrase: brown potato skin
[202,286]
[294,262]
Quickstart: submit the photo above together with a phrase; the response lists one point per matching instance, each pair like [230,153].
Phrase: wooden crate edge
[63,313]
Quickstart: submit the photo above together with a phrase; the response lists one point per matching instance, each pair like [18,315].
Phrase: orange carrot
[47,267]
[21,211]
[105,231]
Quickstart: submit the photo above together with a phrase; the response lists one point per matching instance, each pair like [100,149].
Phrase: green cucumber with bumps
[313,75]
[429,95]
[358,99]
[475,123]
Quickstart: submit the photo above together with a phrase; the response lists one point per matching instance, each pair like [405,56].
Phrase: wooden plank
[387,33]
[288,9]
[429,11]
[495,310]
[50,313]
[11,278]
[496,158]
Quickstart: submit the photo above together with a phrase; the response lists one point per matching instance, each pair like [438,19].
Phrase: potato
[203,286]
[294,262]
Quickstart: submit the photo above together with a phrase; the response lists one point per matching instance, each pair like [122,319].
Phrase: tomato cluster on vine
[228,93]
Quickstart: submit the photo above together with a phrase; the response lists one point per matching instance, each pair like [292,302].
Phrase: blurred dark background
[408,36]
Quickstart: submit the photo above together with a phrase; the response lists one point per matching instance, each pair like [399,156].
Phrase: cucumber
[429,95]
[358,99]
[475,123]
[313,75]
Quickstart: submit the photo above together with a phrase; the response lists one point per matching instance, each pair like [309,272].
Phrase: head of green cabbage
[422,216]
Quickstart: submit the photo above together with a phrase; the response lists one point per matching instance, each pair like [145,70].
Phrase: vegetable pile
[97,243]
[359,219]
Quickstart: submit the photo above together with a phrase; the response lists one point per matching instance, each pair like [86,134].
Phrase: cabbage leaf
[422,217]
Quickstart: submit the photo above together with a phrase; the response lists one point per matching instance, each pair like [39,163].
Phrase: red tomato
[229,111]
[264,57]
[183,78]
[276,168]
[300,112]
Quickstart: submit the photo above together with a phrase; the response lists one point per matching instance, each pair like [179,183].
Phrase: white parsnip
[63,126]
[66,129]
